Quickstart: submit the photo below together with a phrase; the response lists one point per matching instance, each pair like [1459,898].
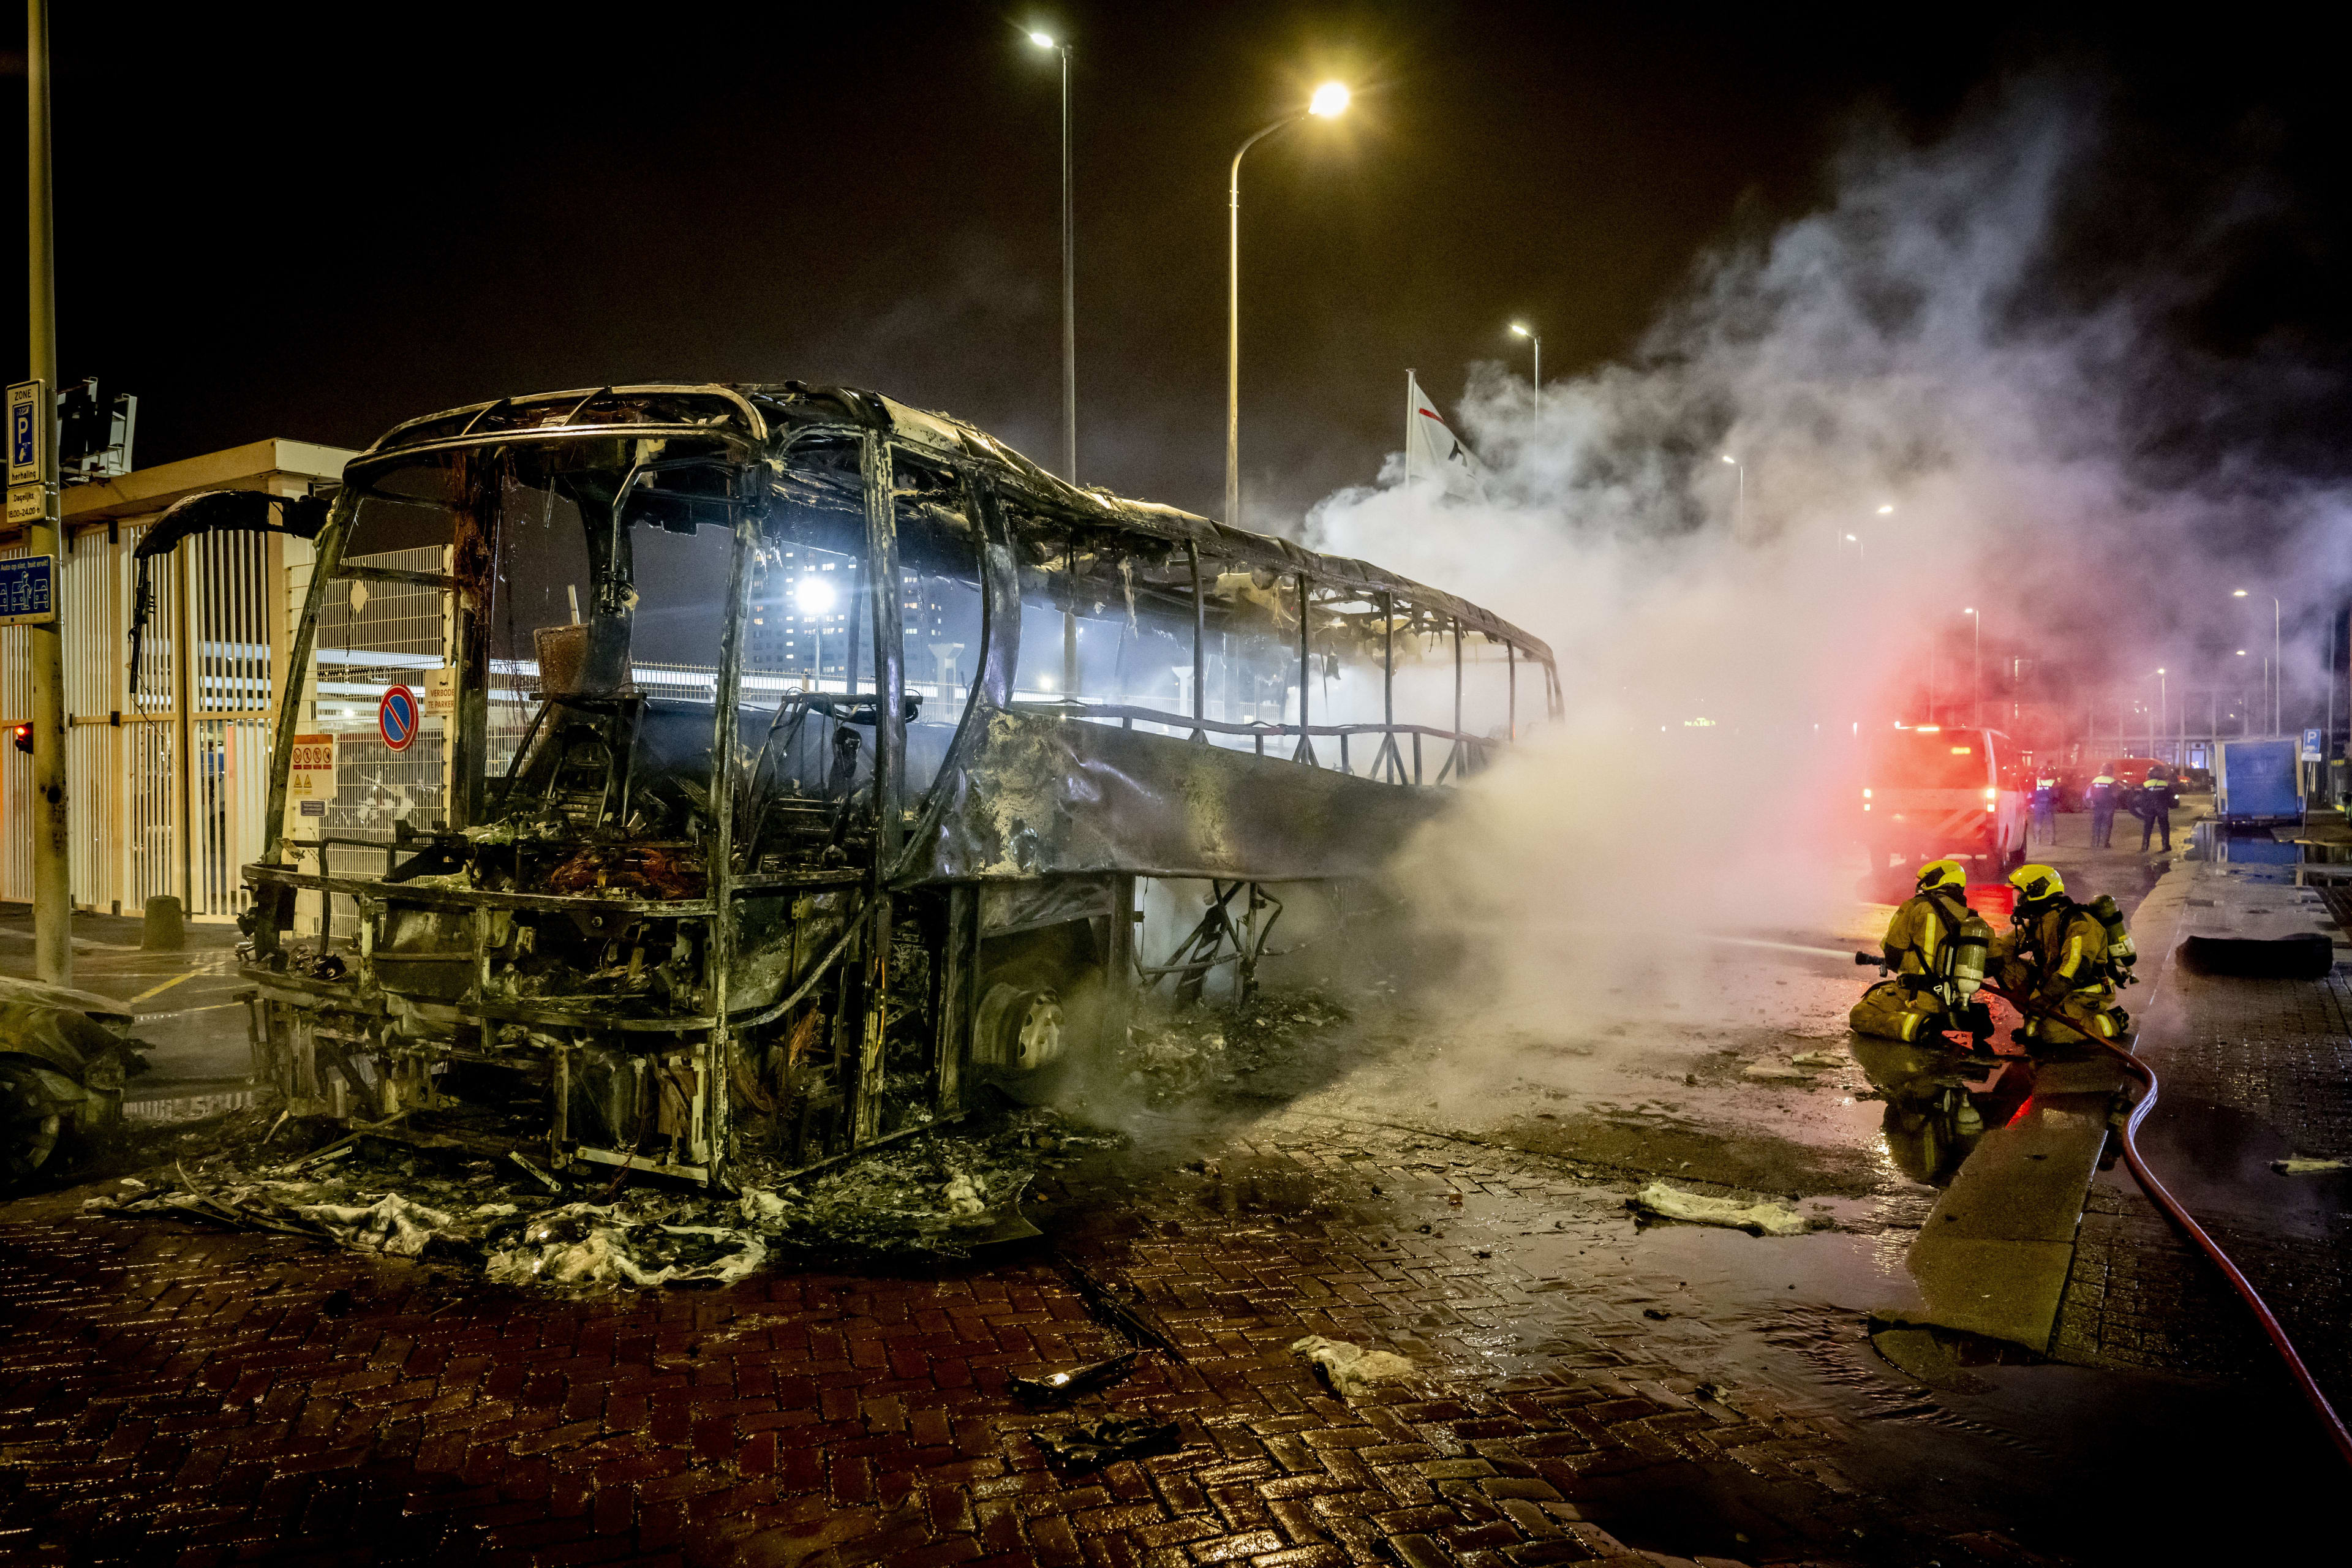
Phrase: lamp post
[1069,275]
[1976,672]
[46,831]
[1537,339]
[2155,720]
[1329,101]
[1739,507]
[2277,663]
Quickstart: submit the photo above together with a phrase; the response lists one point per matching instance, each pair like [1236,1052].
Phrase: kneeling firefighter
[1935,948]
[2063,961]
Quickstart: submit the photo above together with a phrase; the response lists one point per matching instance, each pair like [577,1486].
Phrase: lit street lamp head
[1518,331]
[2237,592]
[1043,40]
[1726,456]
[1330,101]
[1885,510]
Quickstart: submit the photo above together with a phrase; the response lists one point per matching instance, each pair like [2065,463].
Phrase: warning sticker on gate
[312,774]
[396,717]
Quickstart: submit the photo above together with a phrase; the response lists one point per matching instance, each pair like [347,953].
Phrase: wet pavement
[1448,1185]
[186,1001]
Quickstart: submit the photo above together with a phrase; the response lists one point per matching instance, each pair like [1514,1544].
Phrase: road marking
[191,974]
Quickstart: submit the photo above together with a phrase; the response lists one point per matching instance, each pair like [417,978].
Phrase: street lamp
[1069,275]
[1859,547]
[1739,508]
[1537,339]
[2155,720]
[2277,663]
[1976,671]
[1329,101]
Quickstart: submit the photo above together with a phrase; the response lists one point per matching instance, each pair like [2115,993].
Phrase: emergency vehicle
[1930,791]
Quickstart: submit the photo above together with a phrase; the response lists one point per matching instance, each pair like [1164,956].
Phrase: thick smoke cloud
[1922,342]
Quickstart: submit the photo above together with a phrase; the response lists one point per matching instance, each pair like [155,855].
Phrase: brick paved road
[171,1394]
[177,1394]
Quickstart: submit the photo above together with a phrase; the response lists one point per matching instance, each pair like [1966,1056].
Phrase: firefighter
[2054,960]
[2102,799]
[1918,949]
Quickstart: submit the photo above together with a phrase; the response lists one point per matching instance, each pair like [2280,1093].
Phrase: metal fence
[184,742]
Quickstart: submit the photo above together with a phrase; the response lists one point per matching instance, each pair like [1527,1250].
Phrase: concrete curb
[1994,1255]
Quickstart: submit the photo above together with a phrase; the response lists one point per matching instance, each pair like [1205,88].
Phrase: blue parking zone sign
[24,432]
[28,589]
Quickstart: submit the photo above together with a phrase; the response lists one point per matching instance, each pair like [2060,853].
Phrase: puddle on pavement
[2060,1452]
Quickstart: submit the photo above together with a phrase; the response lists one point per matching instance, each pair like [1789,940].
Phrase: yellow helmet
[1939,873]
[2037,884]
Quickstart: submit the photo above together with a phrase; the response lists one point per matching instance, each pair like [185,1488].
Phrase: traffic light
[23,737]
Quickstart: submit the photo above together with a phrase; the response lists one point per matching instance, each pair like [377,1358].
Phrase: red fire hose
[2196,1232]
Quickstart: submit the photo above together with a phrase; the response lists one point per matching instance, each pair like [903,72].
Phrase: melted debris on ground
[1091,1444]
[942,1193]
[1171,1053]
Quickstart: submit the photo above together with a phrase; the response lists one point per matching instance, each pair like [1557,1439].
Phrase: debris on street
[1091,1445]
[943,1193]
[1058,1387]
[1349,1368]
[1758,1218]
[2296,1165]
[1173,1053]
[1775,1072]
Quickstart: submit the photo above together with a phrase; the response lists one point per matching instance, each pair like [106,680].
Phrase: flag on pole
[1433,453]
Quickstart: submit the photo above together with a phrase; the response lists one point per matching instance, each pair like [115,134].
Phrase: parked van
[1929,791]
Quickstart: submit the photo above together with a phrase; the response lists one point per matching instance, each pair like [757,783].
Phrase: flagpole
[1412,406]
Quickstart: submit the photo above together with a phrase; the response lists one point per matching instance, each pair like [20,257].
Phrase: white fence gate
[187,743]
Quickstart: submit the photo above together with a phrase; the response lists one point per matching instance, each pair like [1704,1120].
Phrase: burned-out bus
[705,778]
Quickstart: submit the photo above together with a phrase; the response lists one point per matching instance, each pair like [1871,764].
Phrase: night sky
[273,223]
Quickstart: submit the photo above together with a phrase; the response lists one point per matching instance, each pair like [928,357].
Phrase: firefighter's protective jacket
[1916,936]
[2057,961]
[1905,1007]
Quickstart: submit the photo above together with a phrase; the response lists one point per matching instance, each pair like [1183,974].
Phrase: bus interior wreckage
[784,763]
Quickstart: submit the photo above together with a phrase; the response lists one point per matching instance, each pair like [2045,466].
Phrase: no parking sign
[396,717]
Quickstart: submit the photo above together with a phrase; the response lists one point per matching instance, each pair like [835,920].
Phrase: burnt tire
[1020,1026]
[32,1123]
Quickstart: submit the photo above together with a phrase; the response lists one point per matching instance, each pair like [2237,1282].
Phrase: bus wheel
[1020,1026]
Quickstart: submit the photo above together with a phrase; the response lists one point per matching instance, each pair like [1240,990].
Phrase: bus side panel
[1050,797]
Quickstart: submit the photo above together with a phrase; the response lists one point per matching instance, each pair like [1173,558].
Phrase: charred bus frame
[705,958]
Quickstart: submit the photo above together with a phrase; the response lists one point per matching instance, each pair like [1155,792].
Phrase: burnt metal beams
[473,564]
[733,414]
[890,764]
[1306,752]
[718,857]
[1200,641]
[291,701]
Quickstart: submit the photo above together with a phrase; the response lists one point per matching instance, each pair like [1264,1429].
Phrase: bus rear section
[1928,793]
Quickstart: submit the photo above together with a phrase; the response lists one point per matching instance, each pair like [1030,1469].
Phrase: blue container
[2257,782]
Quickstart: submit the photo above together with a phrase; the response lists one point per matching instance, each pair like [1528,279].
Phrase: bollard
[163,932]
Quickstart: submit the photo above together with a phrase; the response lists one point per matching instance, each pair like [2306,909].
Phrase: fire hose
[2180,1216]
[2155,1190]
